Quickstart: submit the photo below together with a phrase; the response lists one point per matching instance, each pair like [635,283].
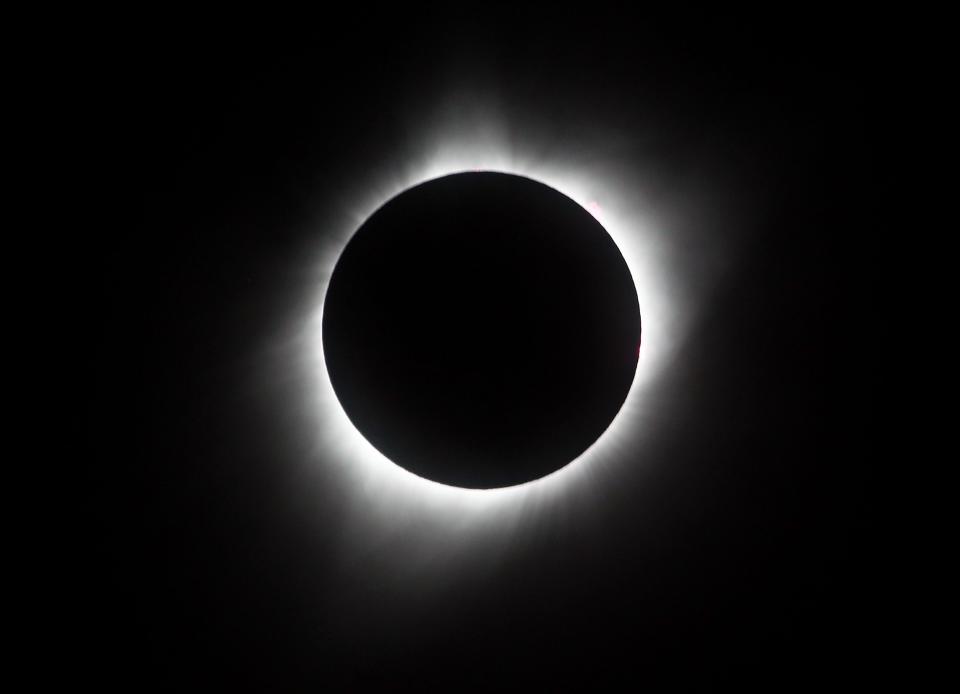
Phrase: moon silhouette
[481,330]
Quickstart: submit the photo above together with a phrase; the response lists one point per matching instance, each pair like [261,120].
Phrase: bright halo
[383,487]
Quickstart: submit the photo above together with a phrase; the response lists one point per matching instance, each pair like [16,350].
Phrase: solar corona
[390,484]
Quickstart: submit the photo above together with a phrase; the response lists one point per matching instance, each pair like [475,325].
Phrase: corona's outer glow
[385,487]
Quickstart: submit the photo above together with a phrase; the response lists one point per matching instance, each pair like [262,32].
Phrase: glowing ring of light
[371,475]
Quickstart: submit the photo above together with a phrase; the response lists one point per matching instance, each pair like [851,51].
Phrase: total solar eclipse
[481,330]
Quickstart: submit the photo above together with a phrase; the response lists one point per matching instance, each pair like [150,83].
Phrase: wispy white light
[385,490]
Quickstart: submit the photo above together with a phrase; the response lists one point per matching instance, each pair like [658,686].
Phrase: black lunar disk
[481,330]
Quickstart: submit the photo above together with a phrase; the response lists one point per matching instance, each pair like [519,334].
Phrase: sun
[367,473]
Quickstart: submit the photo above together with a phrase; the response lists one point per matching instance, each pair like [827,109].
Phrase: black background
[745,558]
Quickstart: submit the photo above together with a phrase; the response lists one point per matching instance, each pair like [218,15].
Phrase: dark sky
[732,546]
